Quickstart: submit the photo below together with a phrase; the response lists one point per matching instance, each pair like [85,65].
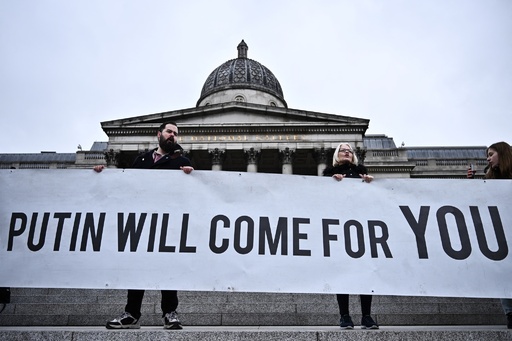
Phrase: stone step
[319,333]
[83,307]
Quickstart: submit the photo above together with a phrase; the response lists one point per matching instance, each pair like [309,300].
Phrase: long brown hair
[504,168]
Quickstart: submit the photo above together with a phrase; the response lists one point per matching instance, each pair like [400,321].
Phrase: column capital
[112,157]
[217,156]
[252,155]
[286,155]
[320,155]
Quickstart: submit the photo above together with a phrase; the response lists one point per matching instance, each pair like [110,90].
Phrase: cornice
[179,115]
[229,130]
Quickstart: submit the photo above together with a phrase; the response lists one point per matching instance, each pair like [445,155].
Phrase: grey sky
[428,73]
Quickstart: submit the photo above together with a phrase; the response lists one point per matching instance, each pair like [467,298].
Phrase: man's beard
[167,146]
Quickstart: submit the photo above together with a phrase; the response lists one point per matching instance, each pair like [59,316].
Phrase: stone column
[286,156]
[252,156]
[320,155]
[217,156]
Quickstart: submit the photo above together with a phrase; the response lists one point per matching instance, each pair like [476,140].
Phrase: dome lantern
[242,49]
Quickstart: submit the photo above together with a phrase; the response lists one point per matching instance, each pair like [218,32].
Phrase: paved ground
[248,333]
[264,328]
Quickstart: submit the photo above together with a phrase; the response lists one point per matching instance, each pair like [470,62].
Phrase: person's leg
[345,319]
[169,301]
[342,303]
[367,321]
[169,304]
[134,303]
[366,304]
[131,315]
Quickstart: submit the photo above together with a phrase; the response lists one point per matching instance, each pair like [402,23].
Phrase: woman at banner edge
[345,164]
[499,158]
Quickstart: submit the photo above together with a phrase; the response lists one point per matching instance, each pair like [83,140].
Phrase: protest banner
[252,232]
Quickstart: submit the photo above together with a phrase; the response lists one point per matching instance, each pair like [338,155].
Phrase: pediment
[235,114]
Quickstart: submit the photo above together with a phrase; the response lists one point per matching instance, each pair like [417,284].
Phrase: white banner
[230,231]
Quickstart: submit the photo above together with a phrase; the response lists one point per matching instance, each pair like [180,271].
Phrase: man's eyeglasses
[345,151]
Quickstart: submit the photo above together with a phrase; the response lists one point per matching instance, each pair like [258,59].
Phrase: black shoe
[509,321]
[125,321]
[368,323]
[346,322]
[171,321]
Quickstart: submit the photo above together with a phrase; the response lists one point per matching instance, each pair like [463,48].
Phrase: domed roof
[242,73]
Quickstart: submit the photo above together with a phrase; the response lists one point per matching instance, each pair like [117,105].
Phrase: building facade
[242,122]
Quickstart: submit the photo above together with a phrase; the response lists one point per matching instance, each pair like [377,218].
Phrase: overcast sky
[427,73]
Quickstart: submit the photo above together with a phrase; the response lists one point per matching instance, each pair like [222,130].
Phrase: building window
[240,98]
[273,104]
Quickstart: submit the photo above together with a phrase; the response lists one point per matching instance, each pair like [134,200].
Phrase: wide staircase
[80,314]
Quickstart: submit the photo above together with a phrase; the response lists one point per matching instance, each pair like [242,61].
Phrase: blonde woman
[346,165]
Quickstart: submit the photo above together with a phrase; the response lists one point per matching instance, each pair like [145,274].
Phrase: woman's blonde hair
[336,160]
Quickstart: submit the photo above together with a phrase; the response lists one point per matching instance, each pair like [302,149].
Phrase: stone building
[242,122]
